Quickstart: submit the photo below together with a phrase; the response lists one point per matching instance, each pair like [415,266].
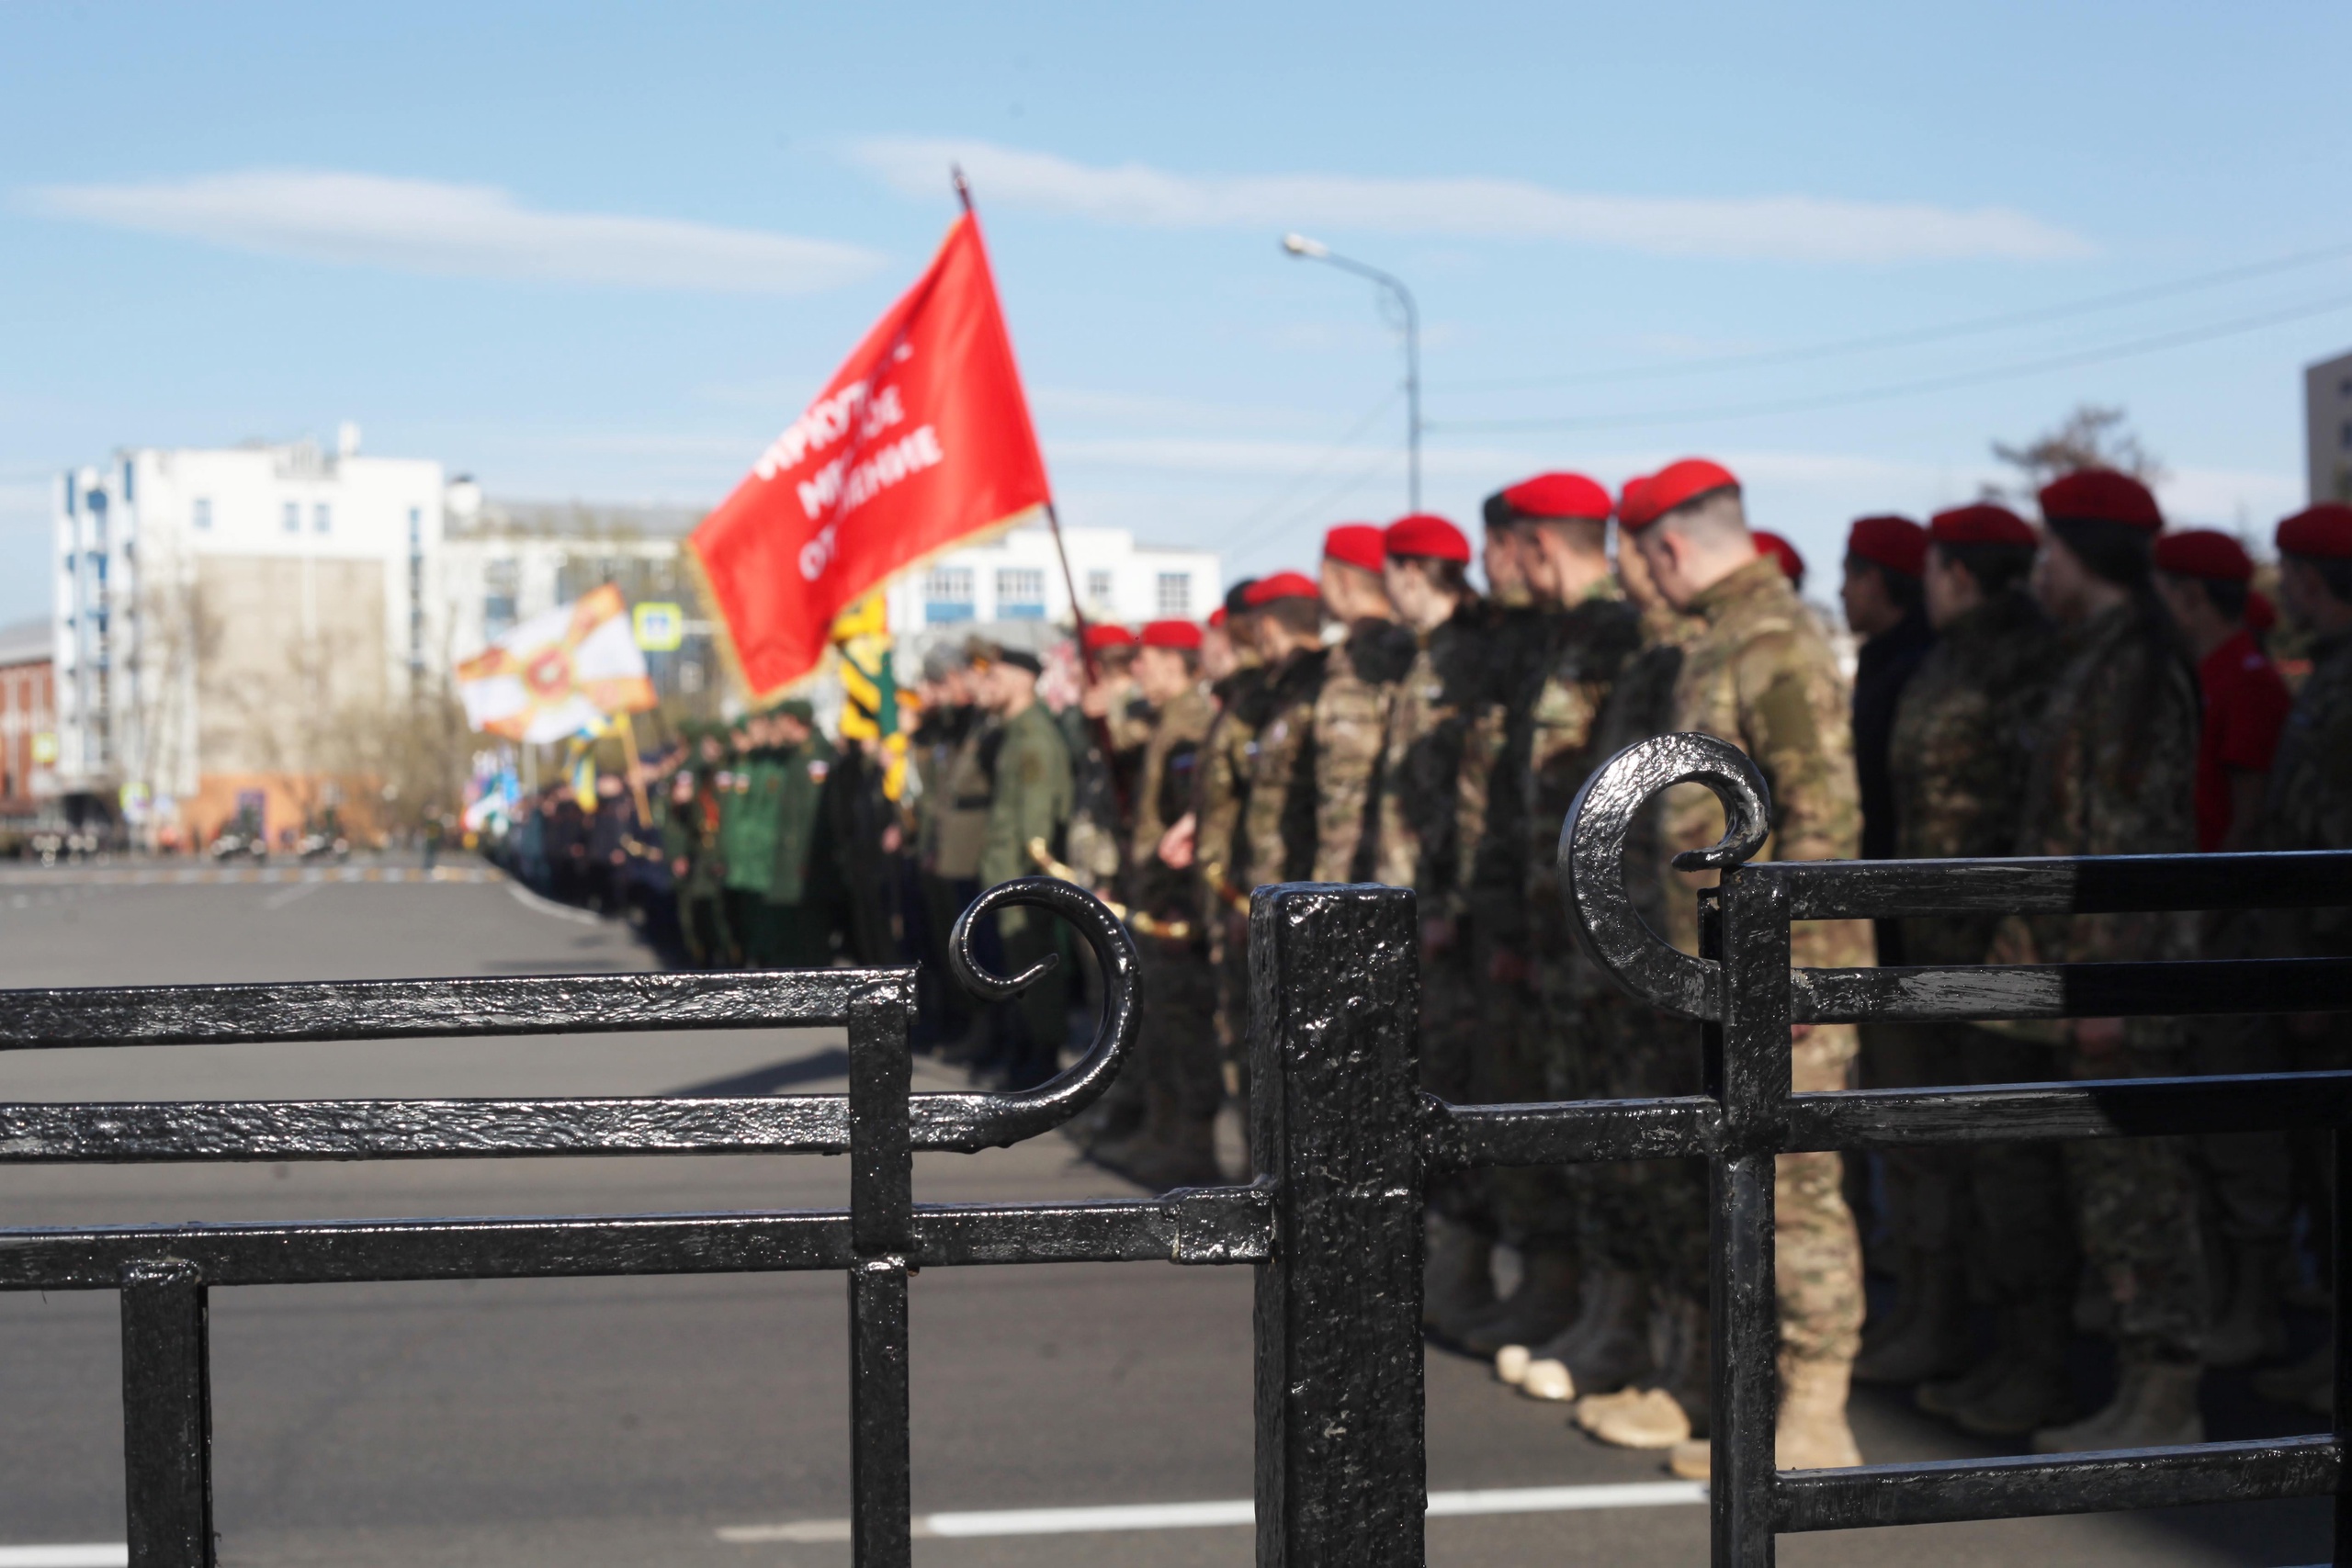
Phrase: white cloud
[1787,228]
[460,230]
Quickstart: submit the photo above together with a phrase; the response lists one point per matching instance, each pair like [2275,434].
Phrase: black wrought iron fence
[1340,1134]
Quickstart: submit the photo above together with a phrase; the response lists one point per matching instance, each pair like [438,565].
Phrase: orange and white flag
[559,674]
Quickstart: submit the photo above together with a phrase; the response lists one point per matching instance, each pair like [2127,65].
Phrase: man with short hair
[1762,677]
[2112,773]
[1029,802]
[1987,1222]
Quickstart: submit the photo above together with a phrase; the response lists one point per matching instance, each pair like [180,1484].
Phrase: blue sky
[606,253]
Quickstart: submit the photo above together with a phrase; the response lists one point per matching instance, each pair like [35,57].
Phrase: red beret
[1633,508]
[1677,484]
[1770,543]
[2203,552]
[2261,614]
[1101,635]
[1357,544]
[1559,495]
[1170,634]
[2324,530]
[1217,617]
[1281,585]
[1895,543]
[1981,523]
[1427,533]
[2100,495]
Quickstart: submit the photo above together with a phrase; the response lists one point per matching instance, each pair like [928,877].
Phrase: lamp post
[1315,249]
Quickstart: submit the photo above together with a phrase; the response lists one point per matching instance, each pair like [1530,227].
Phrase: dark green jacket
[750,810]
[1031,797]
[802,771]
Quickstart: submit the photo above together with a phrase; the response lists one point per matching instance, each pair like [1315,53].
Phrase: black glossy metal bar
[2118,1107]
[1978,992]
[881,1236]
[1208,1226]
[1571,1133]
[1836,890]
[462,1005]
[1946,1493]
[166,1415]
[1334,994]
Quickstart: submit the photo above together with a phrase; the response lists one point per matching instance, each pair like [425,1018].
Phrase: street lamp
[1306,249]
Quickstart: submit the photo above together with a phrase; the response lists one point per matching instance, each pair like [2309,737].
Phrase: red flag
[921,438]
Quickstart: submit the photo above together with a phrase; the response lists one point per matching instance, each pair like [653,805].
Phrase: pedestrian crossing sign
[660,627]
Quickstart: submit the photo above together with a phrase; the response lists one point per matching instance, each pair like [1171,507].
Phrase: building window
[292,517]
[1020,593]
[947,594]
[321,518]
[1098,590]
[1172,596]
[497,616]
[203,515]
[415,529]
[128,494]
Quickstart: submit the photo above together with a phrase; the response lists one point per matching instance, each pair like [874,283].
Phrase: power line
[1914,336]
[1906,389]
[1306,476]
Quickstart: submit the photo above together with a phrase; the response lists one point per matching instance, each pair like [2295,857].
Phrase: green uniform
[1029,800]
[797,908]
[749,790]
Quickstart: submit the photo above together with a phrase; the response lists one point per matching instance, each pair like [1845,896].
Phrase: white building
[214,610]
[2327,413]
[1012,589]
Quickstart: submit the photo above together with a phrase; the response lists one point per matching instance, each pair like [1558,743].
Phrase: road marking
[1234,1512]
[91,1554]
[530,900]
[215,876]
[302,889]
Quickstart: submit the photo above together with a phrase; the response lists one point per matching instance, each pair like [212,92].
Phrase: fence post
[1335,1099]
[166,1415]
[881,1201]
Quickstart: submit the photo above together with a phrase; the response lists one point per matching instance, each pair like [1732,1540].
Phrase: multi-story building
[2327,415]
[28,720]
[1011,587]
[231,627]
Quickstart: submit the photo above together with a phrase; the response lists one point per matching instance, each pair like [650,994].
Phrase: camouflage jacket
[1590,643]
[1433,797]
[1761,676]
[1279,821]
[2112,773]
[2310,805]
[1956,757]
[1361,676]
[1495,752]
[1163,793]
[1221,784]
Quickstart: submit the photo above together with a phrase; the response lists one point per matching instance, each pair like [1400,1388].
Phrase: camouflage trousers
[2135,1208]
[1528,1051]
[1817,1266]
[1451,1042]
[1648,1216]
[1177,1052]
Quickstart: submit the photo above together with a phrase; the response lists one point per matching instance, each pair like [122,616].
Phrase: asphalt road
[703,1421]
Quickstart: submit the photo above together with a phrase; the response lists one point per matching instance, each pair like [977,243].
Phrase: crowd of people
[2087,683]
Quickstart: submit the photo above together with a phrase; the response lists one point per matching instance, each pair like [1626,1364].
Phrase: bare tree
[2090,437]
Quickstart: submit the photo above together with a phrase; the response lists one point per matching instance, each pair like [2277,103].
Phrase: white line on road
[530,900]
[279,899]
[90,1554]
[1235,1511]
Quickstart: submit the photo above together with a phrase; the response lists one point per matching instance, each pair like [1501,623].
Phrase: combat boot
[2156,1406]
[2249,1328]
[2309,1382]
[1812,1433]
[1931,1339]
[1603,1350]
[1544,1304]
[1693,1461]
[1673,1406]
[1457,1277]
[2033,1391]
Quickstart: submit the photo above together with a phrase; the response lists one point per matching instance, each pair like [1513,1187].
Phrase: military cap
[2323,531]
[1217,617]
[1894,543]
[1981,523]
[1101,635]
[1633,508]
[1170,634]
[2261,614]
[800,708]
[1791,564]
[1674,486]
[1560,496]
[1021,659]
[2203,552]
[2100,495]
[1281,585]
[1237,598]
[1355,544]
[1427,533]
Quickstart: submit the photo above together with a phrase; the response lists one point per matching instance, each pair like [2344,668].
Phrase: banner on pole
[559,674]
[921,439]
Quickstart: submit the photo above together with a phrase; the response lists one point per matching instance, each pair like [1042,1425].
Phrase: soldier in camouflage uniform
[1360,679]
[1559,528]
[1432,787]
[2310,807]
[1220,849]
[1986,1220]
[2113,773]
[1106,728]
[1279,821]
[1762,676]
[1178,1061]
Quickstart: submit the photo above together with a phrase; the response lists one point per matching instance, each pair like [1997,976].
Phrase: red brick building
[27,718]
